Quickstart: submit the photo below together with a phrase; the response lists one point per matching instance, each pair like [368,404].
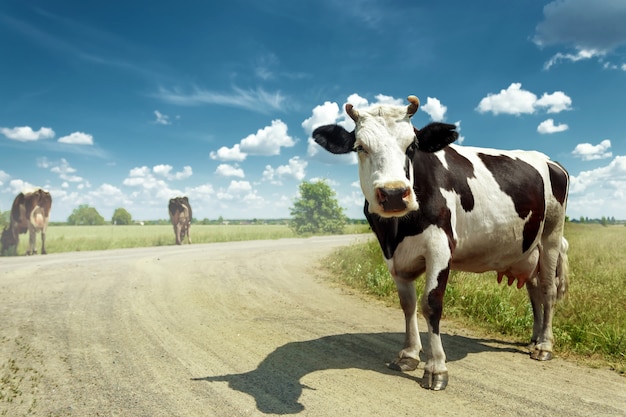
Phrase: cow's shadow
[275,383]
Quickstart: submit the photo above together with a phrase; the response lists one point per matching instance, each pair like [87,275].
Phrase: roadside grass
[589,324]
[87,238]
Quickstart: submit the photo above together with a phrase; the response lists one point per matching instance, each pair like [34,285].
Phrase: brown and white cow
[180,215]
[436,207]
[30,212]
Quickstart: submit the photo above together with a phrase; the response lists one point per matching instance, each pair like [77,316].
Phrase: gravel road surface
[247,329]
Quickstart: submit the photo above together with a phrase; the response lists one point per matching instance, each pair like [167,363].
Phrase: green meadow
[63,238]
[589,324]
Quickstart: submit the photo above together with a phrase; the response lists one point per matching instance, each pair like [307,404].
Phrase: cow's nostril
[392,199]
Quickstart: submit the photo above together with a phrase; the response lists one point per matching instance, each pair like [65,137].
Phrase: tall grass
[590,323]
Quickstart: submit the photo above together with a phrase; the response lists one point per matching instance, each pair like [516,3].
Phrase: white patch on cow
[383,134]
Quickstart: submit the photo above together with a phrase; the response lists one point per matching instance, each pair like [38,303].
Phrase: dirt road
[246,329]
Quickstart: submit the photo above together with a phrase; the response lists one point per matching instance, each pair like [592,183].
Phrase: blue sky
[127,104]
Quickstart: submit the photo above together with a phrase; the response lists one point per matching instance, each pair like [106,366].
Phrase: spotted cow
[30,213]
[436,207]
[180,215]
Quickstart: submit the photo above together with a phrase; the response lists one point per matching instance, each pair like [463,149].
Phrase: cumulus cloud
[590,29]
[435,109]
[27,134]
[294,169]
[166,172]
[589,152]
[515,100]
[228,154]
[267,141]
[324,114]
[548,126]
[226,170]
[77,138]
[239,187]
[600,192]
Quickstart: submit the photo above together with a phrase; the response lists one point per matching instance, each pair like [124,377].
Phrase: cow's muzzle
[393,199]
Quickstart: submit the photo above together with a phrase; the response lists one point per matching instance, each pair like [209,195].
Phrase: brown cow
[30,212]
[180,215]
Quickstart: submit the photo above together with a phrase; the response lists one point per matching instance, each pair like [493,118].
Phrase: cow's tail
[562,270]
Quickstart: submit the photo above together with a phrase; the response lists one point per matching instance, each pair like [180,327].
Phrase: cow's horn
[415,103]
[354,115]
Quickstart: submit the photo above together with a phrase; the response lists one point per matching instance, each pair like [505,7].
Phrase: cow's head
[385,141]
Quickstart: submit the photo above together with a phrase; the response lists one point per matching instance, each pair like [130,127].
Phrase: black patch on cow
[461,170]
[435,300]
[335,139]
[430,177]
[524,184]
[559,181]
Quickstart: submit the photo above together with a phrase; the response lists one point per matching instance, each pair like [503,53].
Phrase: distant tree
[85,215]
[121,216]
[317,210]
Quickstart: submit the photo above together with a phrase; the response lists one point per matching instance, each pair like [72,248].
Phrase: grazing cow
[30,212]
[180,215]
[436,207]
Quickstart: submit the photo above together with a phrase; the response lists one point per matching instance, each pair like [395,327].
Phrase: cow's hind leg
[32,240]
[408,358]
[543,298]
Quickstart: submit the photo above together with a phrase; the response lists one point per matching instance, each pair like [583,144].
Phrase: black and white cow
[436,207]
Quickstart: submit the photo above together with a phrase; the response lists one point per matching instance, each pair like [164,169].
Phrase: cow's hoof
[541,355]
[435,382]
[404,364]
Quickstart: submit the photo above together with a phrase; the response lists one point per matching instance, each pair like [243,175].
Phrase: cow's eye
[360,149]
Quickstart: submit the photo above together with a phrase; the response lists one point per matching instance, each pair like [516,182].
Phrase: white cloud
[324,114]
[580,55]
[229,154]
[294,169]
[239,187]
[589,152]
[77,138]
[599,192]
[226,170]
[555,102]
[461,138]
[161,119]
[515,100]
[27,134]
[166,172]
[435,109]
[548,126]
[267,141]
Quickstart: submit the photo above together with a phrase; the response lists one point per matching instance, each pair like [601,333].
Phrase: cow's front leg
[408,358]
[435,370]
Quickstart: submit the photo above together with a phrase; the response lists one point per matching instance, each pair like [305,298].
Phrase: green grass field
[86,238]
[590,324]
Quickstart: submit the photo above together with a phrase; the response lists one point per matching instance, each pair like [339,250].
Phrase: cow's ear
[335,139]
[435,136]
